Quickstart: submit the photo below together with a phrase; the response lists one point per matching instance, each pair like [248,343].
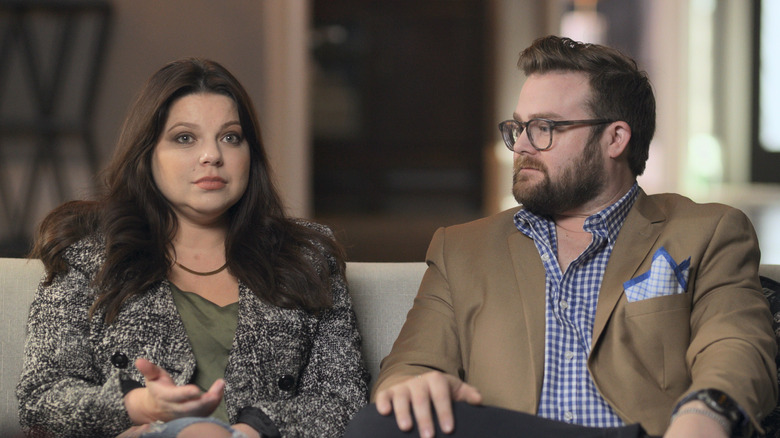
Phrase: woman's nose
[211,155]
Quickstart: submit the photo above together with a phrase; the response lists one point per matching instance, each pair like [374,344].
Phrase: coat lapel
[531,280]
[150,326]
[176,354]
[634,243]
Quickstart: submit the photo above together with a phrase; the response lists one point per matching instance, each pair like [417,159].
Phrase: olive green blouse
[211,330]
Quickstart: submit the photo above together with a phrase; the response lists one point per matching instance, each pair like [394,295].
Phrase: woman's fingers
[161,399]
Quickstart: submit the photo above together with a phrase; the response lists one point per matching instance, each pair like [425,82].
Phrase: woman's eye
[232,138]
[184,139]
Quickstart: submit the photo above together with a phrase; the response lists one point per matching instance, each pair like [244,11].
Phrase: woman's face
[201,160]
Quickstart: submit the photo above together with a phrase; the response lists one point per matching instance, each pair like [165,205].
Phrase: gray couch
[382,293]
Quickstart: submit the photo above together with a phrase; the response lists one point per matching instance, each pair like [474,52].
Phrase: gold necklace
[202,274]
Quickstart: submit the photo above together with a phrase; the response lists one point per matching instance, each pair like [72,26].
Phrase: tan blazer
[480,315]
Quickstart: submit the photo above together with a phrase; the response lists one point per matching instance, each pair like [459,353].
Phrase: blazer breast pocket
[671,304]
[665,277]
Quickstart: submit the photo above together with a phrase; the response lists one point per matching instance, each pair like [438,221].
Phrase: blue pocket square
[665,277]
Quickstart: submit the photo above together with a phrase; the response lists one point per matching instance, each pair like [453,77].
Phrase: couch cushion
[18,281]
[382,294]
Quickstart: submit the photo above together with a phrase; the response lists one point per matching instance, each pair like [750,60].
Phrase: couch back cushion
[18,280]
[382,294]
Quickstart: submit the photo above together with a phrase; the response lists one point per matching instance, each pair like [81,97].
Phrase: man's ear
[618,134]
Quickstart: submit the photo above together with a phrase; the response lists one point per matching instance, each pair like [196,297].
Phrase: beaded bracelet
[724,423]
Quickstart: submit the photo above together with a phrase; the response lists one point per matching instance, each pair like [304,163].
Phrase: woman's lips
[211,183]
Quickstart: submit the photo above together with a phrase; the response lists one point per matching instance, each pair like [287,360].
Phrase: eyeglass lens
[539,133]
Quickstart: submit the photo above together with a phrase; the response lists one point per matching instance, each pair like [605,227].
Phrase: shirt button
[568,416]
[564,304]
[545,257]
[569,355]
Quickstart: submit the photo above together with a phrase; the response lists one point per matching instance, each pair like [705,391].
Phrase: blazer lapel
[632,247]
[150,326]
[175,354]
[531,284]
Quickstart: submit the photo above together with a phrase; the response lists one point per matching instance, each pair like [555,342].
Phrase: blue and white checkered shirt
[568,391]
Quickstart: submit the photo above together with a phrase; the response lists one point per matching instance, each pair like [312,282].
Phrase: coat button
[119,360]
[286,382]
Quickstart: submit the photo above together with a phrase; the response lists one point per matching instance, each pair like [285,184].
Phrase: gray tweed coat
[305,373]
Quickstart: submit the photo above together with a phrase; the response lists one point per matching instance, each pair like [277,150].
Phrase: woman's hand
[162,400]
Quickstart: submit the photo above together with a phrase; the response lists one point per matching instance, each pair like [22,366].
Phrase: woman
[184,296]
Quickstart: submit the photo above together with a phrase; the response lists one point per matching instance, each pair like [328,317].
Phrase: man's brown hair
[620,91]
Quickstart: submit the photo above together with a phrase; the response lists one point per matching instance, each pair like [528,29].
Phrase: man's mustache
[529,163]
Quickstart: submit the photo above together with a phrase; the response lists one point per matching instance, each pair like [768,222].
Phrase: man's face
[570,173]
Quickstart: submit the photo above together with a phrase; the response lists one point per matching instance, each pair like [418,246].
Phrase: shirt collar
[605,223]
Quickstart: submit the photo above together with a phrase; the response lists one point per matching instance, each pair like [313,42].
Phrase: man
[592,303]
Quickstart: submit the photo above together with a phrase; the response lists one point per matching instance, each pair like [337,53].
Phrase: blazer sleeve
[62,392]
[429,338]
[732,346]
[333,385]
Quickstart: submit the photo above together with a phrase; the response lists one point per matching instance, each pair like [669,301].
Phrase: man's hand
[420,392]
[162,400]
[692,425]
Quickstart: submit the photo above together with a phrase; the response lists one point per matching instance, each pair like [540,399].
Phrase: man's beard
[579,183]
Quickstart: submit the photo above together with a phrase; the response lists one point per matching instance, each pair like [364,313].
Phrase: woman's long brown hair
[283,262]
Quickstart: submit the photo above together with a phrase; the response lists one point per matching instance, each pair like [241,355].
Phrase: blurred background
[380,115]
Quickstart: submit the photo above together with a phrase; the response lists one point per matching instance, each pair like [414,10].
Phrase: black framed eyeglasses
[539,131]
